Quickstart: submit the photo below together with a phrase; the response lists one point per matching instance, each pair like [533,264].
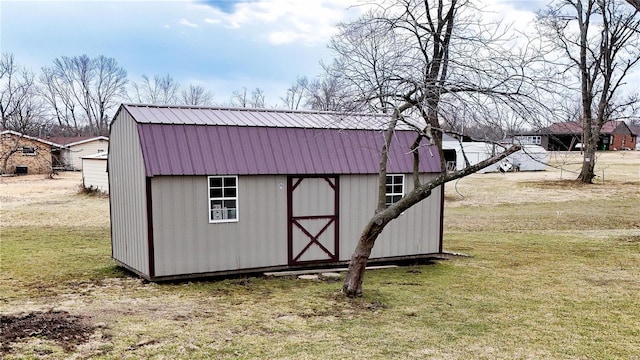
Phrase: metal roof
[194,115]
[234,150]
[211,141]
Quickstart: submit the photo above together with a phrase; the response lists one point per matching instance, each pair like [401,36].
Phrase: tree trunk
[352,286]
[588,164]
[589,145]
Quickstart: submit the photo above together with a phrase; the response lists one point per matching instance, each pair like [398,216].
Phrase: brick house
[563,136]
[23,154]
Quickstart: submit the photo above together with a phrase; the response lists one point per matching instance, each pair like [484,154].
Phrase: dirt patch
[633,239]
[65,329]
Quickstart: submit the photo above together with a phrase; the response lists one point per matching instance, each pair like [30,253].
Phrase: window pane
[229,192]
[215,193]
[231,214]
[396,198]
[389,180]
[397,179]
[229,181]
[387,200]
[397,189]
[230,204]
[389,189]
[215,182]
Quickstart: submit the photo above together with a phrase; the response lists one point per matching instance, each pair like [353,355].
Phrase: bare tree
[419,61]
[257,98]
[296,93]
[83,92]
[20,107]
[635,4]
[328,94]
[160,90]
[600,40]
[241,98]
[196,95]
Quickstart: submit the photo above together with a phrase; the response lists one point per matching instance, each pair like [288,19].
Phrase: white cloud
[281,22]
[212,21]
[186,22]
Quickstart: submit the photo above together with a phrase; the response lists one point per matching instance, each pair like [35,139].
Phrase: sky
[223,45]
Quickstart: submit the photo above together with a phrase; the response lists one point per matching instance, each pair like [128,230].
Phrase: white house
[73,149]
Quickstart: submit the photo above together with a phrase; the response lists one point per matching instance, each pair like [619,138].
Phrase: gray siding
[185,242]
[415,232]
[127,195]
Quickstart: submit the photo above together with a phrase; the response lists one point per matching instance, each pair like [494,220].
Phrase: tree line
[78,95]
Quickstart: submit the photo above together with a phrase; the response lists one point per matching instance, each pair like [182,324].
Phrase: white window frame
[529,139]
[393,192]
[30,153]
[222,198]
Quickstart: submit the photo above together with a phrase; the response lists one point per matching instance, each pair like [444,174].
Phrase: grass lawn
[554,274]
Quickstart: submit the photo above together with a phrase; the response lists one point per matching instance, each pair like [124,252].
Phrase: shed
[94,172]
[198,191]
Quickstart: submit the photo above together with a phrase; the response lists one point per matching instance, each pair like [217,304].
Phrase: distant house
[73,149]
[26,154]
[565,136]
[199,191]
[635,129]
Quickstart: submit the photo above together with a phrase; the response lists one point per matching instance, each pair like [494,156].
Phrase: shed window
[395,189]
[223,199]
[28,150]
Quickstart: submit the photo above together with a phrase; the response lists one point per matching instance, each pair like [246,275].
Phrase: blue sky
[222,45]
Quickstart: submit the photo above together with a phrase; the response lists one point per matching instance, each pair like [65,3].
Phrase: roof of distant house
[75,140]
[575,127]
[15,133]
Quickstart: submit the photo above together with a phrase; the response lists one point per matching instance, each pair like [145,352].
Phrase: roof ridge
[244,109]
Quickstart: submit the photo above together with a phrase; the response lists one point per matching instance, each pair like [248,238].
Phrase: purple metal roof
[193,115]
[172,149]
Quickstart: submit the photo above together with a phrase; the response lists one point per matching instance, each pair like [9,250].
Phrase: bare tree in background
[241,98]
[328,94]
[20,107]
[296,93]
[600,40]
[635,4]
[258,99]
[159,90]
[83,92]
[419,60]
[196,95]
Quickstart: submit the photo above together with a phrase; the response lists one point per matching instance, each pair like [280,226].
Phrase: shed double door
[312,207]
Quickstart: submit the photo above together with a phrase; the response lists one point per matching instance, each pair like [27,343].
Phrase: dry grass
[37,200]
[554,275]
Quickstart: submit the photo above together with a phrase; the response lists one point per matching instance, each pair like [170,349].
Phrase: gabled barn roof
[214,141]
